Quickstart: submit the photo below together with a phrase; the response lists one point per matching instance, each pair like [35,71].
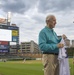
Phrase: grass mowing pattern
[20,68]
[28,68]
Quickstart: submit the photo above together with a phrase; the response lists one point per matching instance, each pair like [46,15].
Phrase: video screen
[5,35]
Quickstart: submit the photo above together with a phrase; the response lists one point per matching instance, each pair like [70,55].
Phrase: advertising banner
[4,50]
[4,42]
[14,33]
[4,46]
[14,38]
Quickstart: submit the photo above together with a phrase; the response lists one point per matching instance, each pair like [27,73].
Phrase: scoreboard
[8,34]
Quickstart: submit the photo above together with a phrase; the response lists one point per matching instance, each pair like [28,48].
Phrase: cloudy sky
[29,15]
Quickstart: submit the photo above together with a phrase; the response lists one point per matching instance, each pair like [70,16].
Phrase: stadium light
[8,18]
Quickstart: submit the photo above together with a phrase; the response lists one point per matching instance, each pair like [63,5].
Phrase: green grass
[20,68]
[71,66]
[28,68]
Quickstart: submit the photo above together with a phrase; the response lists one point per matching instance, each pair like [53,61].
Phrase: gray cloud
[17,6]
[69,26]
[58,5]
[44,6]
[39,19]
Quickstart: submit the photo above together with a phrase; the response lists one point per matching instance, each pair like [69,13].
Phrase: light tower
[8,18]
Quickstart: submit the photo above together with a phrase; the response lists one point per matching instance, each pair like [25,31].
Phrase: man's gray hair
[49,17]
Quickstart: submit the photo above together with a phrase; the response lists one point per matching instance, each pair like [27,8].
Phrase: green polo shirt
[48,40]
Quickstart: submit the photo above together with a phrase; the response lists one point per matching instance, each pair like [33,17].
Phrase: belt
[50,53]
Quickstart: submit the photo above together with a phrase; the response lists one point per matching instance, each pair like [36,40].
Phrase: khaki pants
[50,63]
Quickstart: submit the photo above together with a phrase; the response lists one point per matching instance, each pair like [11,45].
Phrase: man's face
[52,22]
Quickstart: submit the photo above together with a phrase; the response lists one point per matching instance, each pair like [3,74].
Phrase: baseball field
[28,67]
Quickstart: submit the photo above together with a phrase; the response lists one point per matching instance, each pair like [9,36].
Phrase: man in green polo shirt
[49,44]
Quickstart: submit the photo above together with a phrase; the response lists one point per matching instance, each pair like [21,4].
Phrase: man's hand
[60,45]
[64,36]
